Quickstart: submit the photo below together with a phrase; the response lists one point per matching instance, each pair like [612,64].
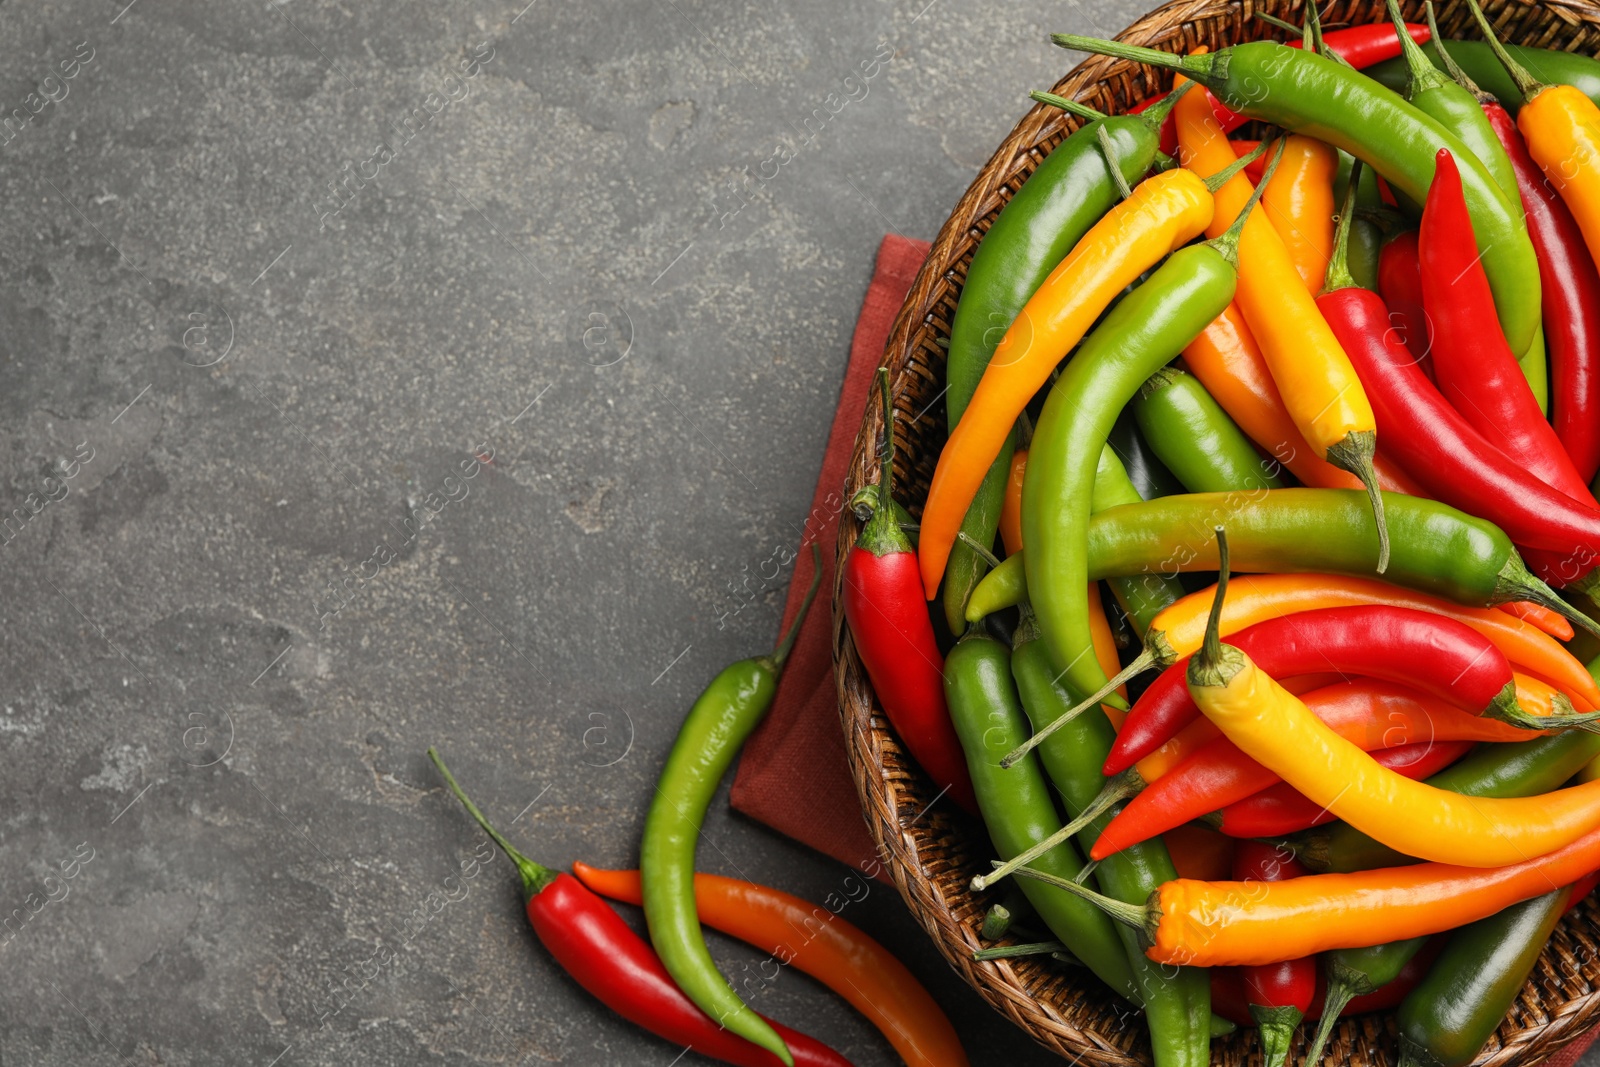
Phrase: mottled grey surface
[267,584]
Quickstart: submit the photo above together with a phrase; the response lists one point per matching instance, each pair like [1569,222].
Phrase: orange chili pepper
[1299,204]
[819,943]
[1105,650]
[1314,376]
[1540,616]
[1011,504]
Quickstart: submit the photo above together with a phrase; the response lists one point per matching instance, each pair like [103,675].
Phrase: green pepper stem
[1516,582]
[996,921]
[1114,792]
[1211,649]
[1228,243]
[1314,27]
[1421,74]
[534,877]
[886,462]
[977,546]
[1340,992]
[1109,150]
[1142,662]
[1354,453]
[1004,952]
[780,655]
[1525,82]
[1283,24]
[1155,116]
[1200,67]
[1137,916]
[1451,67]
[1071,107]
[1225,175]
[1338,276]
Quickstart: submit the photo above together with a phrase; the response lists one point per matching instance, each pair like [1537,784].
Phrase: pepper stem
[977,547]
[1140,917]
[1285,25]
[534,877]
[1228,243]
[1354,453]
[1216,664]
[1516,582]
[1341,991]
[1109,150]
[1525,82]
[1199,67]
[1451,67]
[780,655]
[1142,662]
[886,469]
[1314,28]
[1225,175]
[1339,276]
[1005,952]
[1421,73]
[1112,793]
[1565,716]
[1155,116]
[1276,1026]
[1071,107]
[996,921]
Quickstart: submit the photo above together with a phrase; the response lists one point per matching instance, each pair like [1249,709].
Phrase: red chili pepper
[1581,889]
[1438,448]
[1430,653]
[1360,46]
[603,955]
[1278,994]
[888,618]
[1282,809]
[1228,992]
[1370,714]
[1400,285]
[1571,302]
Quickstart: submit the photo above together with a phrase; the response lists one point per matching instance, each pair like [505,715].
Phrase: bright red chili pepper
[1282,809]
[1571,302]
[1278,994]
[602,953]
[1372,715]
[888,618]
[1400,285]
[1581,889]
[1428,652]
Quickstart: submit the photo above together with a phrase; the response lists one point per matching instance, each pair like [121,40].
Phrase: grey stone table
[383,375]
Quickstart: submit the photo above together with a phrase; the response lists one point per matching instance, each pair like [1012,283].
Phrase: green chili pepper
[1177,1000]
[712,733]
[1510,769]
[1055,207]
[1146,330]
[1305,93]
[1361,255]
[1451,1015]
[1355,972]
[1474,57]
[1005,586]
[1016,804]
[1145,473]
[1537,371]
[1195,439]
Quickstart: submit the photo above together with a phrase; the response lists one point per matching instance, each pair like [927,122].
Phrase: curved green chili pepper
[1017,806]
[1474,57]
[712,733]
[1177,1000]
[1306,93]
[1195,439]
[1510,769]
[1451,1015]
[1055,207]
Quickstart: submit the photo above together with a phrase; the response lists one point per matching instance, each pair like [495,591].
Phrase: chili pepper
[1318,386]
[1429,653]
[1521,769]
[819,943]
[1281,809]
[1275,728]
[1194,438]
[1144,471]
[1199,851]
[1435,443]
[1536,371]
[1177,631]
[1353,973]
[1571,302]
[888,618]
[1145,331]
[1306,93]
[1543,618]
[712,733]
[1448,1019]
[1011,507]
[1363,716]
[603,954]
[1436,93]
[1476,58]
[1071,189]
[1278,994]
[1299,204]
[1177,1002]
[1400,285]
[1475,369]
[1227,992]
[1017,806]
[1161,214]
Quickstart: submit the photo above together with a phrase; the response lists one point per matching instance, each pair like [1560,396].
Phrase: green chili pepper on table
[716,727]
[1055,207]
[1195,439]
[1016,804]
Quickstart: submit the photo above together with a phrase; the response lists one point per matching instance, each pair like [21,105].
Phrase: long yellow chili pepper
[1164,213]
[1299,204]
[1278,731]
[1312,372]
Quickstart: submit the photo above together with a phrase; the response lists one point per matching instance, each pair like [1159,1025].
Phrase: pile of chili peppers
[1309,424]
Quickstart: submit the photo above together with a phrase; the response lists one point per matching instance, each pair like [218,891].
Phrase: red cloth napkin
[793,775]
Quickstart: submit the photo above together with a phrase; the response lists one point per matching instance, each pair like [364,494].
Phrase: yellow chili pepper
[1299,204]
[1164,213]
[1274,728]
[1312,372]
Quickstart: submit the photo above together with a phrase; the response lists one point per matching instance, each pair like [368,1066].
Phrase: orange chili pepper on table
[819,943]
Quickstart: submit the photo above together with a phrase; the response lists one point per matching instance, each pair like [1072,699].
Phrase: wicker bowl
[931,851]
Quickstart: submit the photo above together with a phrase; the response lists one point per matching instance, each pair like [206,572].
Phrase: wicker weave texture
[932,851]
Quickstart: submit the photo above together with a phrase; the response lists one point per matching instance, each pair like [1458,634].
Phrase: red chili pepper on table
[1278,994]
[1570,300]
[888,618]
[1430,653]
[1400,285]
[602,954]
[1282,809]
